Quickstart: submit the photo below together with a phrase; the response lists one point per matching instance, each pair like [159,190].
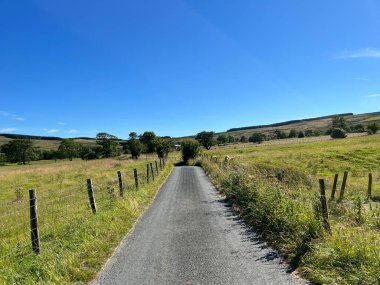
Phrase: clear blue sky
[74,68]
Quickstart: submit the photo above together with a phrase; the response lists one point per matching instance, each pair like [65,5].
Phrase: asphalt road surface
[189,235]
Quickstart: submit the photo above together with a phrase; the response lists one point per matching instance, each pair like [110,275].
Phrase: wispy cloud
[361,78]
[7,130]
[73,131]
[360,53]
[51,131]
[11,116]
[60,123]
[374,95]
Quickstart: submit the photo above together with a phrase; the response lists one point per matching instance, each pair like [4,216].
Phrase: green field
[276,189]
[74,242]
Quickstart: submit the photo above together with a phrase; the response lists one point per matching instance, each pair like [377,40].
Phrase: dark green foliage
[69,149]
[359,128]
[309,133]
[340,123]
[243,139]
[88,153]
[293,133]
[51,154]
[206,139]
[108,144]
[20,151]
[190,149]
[338,133]
[134,145]
[3,158]
[373,128]
[280,134]
[257,138]
[301,134]
[231,139]
[148,140]
[222,139]
[163,146]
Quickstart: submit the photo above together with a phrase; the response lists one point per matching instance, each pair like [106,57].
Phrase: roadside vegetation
[74,242]
[276,190]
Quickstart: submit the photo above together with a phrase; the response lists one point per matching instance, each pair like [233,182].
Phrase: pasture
[74,242]
[276,189]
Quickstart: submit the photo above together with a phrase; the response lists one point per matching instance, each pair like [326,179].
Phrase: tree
[69,149]
[373,128]
[338,133]
[190,149]
[293,133]
[148,140]
[135,146]
[88,153]
[231,139]
[339,123]
[309,133]
[222,139]
[206,139]
[20,151]
[257,138]
[163,147]
[280,134]
[301,134]
[243,139]
[108,144]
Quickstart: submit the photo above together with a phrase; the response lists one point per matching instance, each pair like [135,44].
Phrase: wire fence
[29,225]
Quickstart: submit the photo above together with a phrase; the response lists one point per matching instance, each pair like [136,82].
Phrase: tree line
[22,151]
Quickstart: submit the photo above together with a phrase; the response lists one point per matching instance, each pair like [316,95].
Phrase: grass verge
[74,242]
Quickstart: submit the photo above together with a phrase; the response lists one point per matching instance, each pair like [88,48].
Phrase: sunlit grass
[74,242]
[288,212]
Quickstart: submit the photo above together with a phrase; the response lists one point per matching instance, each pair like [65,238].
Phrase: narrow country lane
[190,236]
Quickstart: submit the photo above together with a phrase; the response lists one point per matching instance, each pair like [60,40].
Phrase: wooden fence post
[160,163]
[343,185]
[369,186]
[334,186]
[135,174]
[147,173]
[35,238]
[155,162]
[90,192]
[121,190]
[325,214]
[152,171]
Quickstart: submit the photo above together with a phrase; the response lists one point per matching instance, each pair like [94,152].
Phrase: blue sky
[74,68]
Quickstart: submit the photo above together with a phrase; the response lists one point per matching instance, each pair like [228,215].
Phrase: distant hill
[319,123]
[289,122]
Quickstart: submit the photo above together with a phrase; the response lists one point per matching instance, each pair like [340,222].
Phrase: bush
[301,134]
[257,138]
[190,149]
[373,128]
[338,133]
[293,133]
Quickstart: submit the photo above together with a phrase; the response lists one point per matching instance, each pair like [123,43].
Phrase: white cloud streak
[51,131]
[369,52]
[372,95]
[60,123]
[7,130]
[11,116]
[73,131]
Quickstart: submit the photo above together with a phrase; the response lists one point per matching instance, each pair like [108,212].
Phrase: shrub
[338,133]
[301,134]
[280,134]
[293,133]
[190,149]
[373,128]
[257,138]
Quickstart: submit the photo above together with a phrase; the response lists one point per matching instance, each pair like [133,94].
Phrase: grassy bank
[287,211]
[74,242]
